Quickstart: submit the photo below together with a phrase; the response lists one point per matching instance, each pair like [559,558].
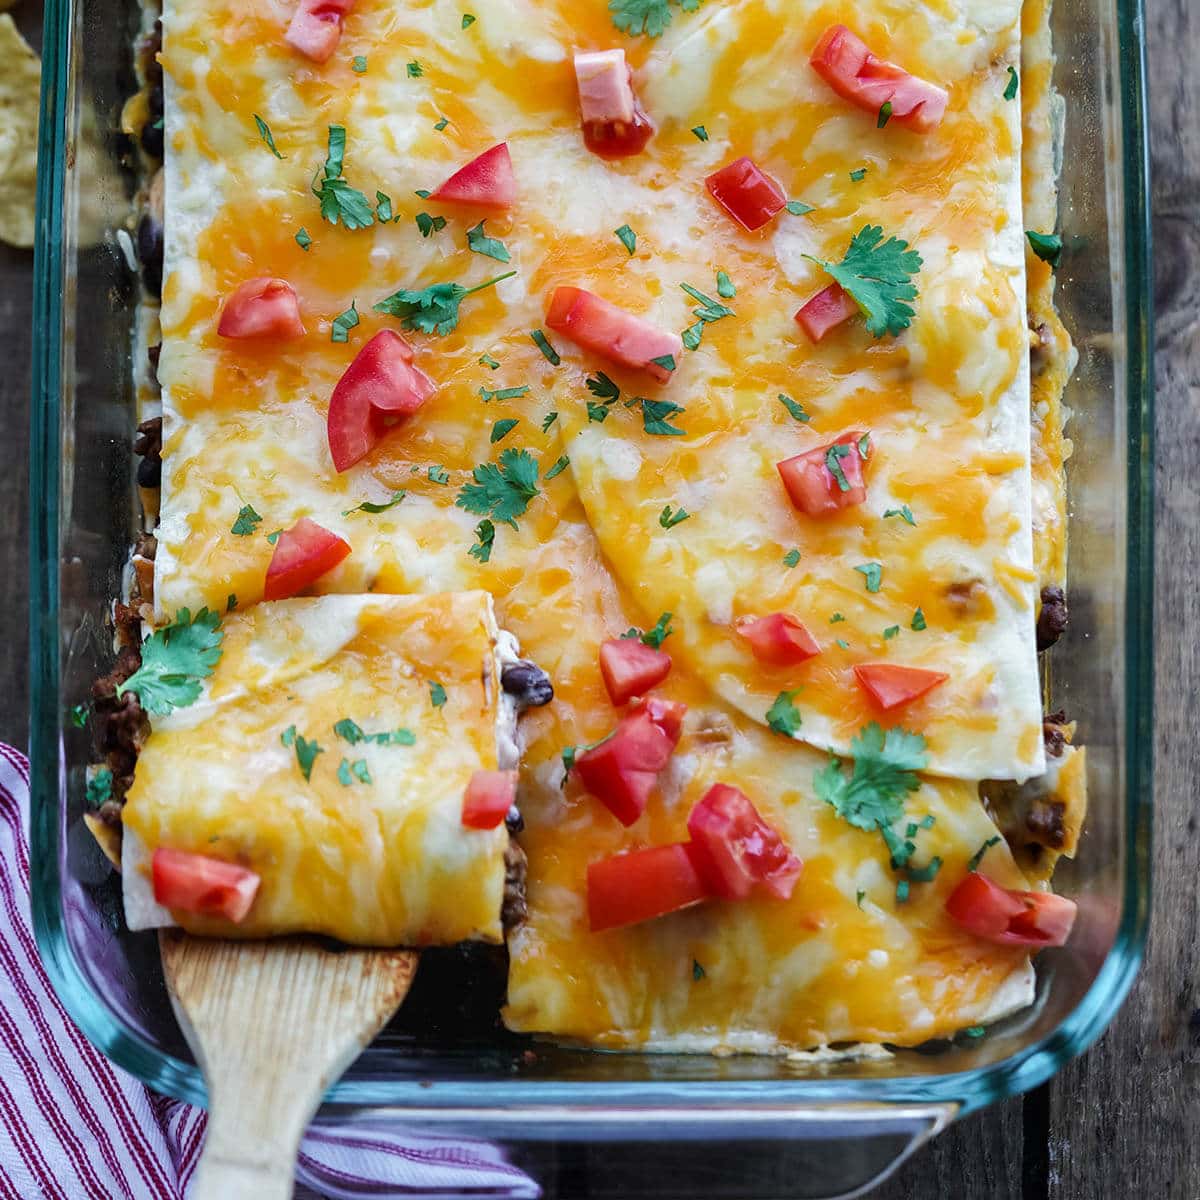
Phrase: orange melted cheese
[947,404]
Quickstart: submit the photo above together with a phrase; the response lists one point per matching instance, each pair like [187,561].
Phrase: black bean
[149,472]
[150,253]
[513,821]
[527,683]
[1052,620]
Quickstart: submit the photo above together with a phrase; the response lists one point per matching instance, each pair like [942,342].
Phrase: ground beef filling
[1052,620]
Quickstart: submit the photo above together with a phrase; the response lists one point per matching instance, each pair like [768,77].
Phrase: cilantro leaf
[798,208]
[668,519]
[273,537]
[858,174]
[885,766]
[692,335]
[1014,82]
[174,661]
[1047,246]
[903,512]
[348,772]
[429,225]
[725,288]
[303,239]
[791,558]
[542,342]
[885,114]
[666,361]
[414,69]
[559,465]
[628,238]
[503,428]
[306,751]
[339,330]
[479,241]
[832,464]
[79,715]
[383,207]
[709,310]
[468,20]
[99,787]
[501,492]
[698,971]
[597,412]
[437,694]
[602,387]
[264,132]
[368,507]
[247,521]
[358,64]
[350,731]
[651,17]
[794,407]
[509,393]
[918,621]
[485,538]
[433,309]
[890,632]
[655,637]
[486,360]
[976,858]
[836,618]
[339,201]
[440,125]
[549,420]
[783,716]
[700,132]
[872,573]
[656,415]
[878,277]
[438,474]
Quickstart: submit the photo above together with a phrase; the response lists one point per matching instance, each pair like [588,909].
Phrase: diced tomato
[635,887]
[262,308]
[812,486]
[485,182]
[488,798]
[825,311]
[779,639]
[631,669]
[1010,917]
[857,75]
[316,27]
[302,555]
[207,886]
[614,125]
[747,193]
[617,335]
[735,851]
[891,685]
[621,770]
[379,387]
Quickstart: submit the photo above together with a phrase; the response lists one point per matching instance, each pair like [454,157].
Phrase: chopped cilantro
[383,207]
[432,309]
[974,1032]
[429,225]
[350,731]
[438,474]
[837,616]
[174,661]
[885,114]
[486,360]
[783,716]
[655,637]
[1014,82]
[860,895]
[1047,246]
[885,766]
[479,241]
[656,415]
[559,465]
[437,694]
[698,971]
[628,238]
[666,361]
[794,407]
[339,330]
[925,874]
[339,201]
[597,412]
[725,288]
[845,645]
[709,310]
[542,342]
[918,621]
[646,16]
[247,521]
[99,787]
[549,420]
[508,393]
[302,238]
[602,387]
[902,890]
[878,276]
[858,174]
[358,64]
[368,506]
[903,512]
[274,537]
[440,125]
[791,558]
[798,208]
[79,715]
[832,464]
[347,772]
[264,132]
[306,751]
[414,69]
[872,573]
[890,632]
[485,539]
[700,132]
[692,335]
[468,20]
[423,193]
[668,519]
[976,858]
[503,428]
[502,492]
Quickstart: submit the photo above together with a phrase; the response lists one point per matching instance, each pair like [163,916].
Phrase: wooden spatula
[272,1024]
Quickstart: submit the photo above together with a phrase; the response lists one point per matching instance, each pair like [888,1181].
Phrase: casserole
[109,978]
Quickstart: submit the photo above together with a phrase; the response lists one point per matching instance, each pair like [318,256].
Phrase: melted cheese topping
[947,404]
[383,862]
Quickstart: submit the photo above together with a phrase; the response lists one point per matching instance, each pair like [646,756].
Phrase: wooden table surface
[1123,1121]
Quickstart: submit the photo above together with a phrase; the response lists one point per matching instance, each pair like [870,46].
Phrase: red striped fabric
[75,1127]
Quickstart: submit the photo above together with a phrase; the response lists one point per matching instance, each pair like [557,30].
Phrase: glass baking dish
[816,1130]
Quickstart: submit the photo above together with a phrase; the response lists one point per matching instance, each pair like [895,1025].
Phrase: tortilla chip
[20,82]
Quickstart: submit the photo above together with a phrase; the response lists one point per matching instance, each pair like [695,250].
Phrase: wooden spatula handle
[272,1025]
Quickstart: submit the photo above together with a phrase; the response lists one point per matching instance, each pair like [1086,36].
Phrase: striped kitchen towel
[74,1127]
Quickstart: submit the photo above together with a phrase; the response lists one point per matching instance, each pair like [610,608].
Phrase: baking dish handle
[735,1152]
